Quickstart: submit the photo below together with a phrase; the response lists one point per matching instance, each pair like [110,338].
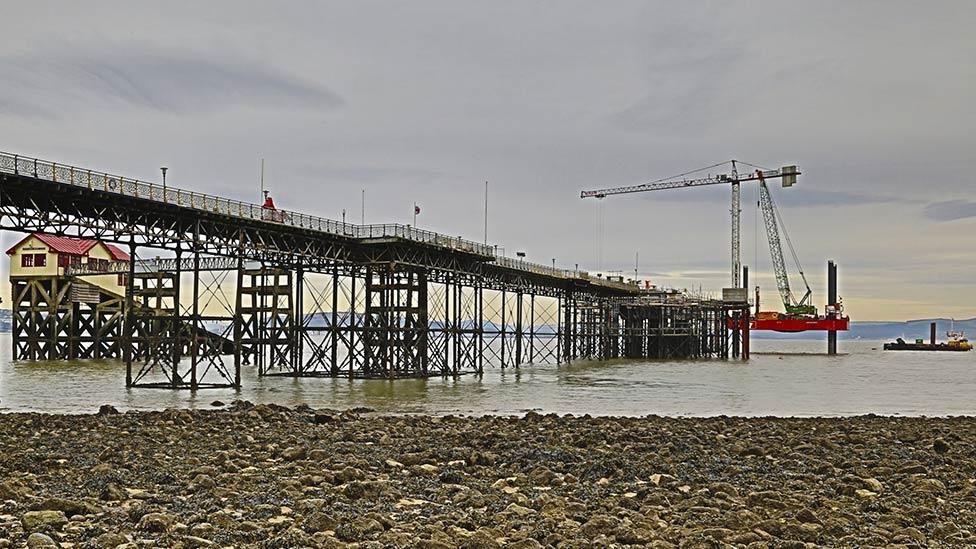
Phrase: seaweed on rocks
[268,476]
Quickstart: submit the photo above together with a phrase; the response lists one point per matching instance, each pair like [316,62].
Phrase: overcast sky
[424,101]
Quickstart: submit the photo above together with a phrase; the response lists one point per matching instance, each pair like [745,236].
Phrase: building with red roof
[45,255]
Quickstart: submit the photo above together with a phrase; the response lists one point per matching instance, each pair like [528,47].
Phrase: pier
[292,294]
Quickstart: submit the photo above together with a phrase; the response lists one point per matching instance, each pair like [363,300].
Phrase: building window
[40,260]
[123,279]
[27,260]
[63,261]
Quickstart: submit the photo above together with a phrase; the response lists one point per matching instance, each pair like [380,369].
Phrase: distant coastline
[871,330]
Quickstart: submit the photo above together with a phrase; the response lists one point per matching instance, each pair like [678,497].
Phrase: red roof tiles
[71,246]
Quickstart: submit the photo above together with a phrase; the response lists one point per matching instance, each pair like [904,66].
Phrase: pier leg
[239,322]
[518,329]
[127,332]
[195,325]
[334,323]
[831,300]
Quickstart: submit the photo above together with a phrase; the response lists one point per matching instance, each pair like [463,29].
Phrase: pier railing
[101,181]
[95,180]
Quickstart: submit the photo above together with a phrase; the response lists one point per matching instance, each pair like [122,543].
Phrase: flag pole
[414,214]
[486,213]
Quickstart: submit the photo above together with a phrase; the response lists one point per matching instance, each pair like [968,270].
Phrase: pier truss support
[590,328]
[521,326]
[180,333]
[265,314]
[394,334]
[60,318]
[42,316]
[208,327]
[154,330]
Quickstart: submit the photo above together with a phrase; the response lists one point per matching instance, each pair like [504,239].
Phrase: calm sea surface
[789,381]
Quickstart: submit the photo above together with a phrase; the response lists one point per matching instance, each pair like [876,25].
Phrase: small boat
[957,341]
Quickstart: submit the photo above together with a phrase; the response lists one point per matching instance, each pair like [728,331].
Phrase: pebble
[269,476]
[40,540]
[33,521]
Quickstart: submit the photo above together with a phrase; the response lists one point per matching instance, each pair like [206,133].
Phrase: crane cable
[789,244]
[685,174]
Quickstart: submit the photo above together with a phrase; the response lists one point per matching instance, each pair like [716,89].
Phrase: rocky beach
[268,476]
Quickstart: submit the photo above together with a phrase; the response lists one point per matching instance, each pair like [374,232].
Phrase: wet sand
[268,476]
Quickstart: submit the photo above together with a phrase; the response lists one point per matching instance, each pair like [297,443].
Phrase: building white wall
[33,245]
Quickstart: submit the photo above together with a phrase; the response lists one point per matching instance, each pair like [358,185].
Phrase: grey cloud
[872,104]
[684,92]
[179,82]
[376,175]
[950,210]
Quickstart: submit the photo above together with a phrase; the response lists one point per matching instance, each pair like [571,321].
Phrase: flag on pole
[416,209]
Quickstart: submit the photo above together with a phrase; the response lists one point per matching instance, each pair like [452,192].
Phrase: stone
[203,530]
[864,494]
[913,469]
[32,521]
[481,539]
[518,510]
[110,540]
[873,484]
[217,404]
[221,519]
[525,543]
[112,492]
[359,529]
[349,474]
[201,482]
[940,446]
[319,522]
[156,522]
[598,524]
[40,540]
[107,410]
[808,516]
[295,453]
[753,451]
[13,490]
[68,507]
[929,485]
[322,418]
[194,542]
[318,454]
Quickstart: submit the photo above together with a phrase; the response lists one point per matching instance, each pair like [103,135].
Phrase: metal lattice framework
[311,296]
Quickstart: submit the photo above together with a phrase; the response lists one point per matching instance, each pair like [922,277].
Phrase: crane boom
[728,178]
[772,222]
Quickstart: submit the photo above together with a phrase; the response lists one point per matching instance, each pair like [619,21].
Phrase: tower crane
[800,315]
[787,174]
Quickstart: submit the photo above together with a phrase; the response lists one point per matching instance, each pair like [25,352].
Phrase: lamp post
[554,265]
[163,169]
